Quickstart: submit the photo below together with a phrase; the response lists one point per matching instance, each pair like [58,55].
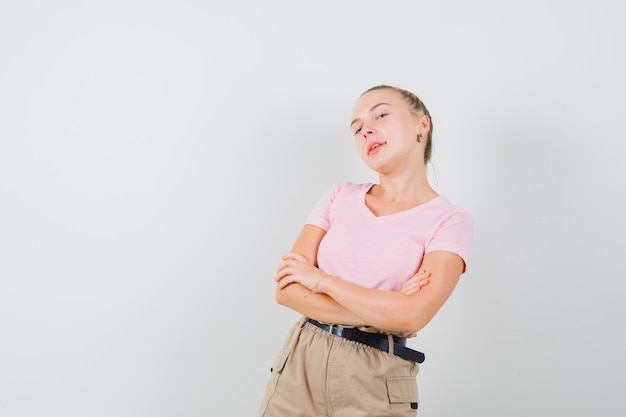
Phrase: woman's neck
[413,189]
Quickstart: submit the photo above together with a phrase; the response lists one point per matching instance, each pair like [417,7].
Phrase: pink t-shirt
[383,252]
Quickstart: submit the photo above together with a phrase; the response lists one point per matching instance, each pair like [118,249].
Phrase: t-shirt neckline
[370,215]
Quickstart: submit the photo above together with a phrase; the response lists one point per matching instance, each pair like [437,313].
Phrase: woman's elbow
[285,296]
[414,321]
[280,296]
[414,326]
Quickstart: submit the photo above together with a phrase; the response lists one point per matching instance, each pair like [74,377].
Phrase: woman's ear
[423,127]
[424,124]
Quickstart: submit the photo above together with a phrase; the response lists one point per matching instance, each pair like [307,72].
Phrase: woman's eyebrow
[370,110]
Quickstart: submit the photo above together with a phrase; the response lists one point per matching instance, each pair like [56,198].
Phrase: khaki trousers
[319,374]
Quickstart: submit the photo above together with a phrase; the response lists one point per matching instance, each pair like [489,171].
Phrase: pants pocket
[279,362]
[402,393]
[276,369]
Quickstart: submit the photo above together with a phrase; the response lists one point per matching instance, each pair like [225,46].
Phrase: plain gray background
[158,157]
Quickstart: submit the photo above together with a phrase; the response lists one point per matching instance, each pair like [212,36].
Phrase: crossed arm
[304,288]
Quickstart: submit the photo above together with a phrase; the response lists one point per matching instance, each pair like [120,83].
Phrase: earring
[420,139]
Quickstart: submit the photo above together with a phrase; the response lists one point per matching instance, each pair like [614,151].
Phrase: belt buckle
[330,328]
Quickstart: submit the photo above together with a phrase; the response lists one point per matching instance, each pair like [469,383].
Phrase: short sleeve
[320,216]
[453,234]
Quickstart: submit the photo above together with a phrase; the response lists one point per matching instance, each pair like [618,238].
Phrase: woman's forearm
[396,311]
[320,307]
[386,310]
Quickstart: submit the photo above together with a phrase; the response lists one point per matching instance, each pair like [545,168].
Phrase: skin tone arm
[394,311]
[298,276]
[300,298]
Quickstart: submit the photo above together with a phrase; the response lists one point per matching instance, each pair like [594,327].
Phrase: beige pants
[319,374]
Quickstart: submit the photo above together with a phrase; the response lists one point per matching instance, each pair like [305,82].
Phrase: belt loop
[391,341]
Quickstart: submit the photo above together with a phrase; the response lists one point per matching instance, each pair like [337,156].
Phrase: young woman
[371,267]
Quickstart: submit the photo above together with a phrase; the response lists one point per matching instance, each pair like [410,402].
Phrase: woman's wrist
[319,288]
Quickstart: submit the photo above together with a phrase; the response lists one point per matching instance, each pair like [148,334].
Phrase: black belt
[375,340]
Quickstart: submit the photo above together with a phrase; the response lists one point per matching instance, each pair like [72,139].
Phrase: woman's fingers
[410,291]
[291,261]
[415,283]
[284,281]
[415,287]
[294,256]
[421,274]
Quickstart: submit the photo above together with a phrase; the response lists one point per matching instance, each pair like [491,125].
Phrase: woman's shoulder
[345,191]
[446,210]
[445,203]
[350,187]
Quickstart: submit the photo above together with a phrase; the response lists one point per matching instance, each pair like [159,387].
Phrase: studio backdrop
[158,158]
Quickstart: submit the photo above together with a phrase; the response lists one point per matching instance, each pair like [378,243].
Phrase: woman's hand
[415,283]
[296,268]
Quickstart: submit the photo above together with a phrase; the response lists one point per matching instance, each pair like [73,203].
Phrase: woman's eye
[356,132]
[380,116]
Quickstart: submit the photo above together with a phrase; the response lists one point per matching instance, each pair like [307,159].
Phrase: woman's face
[385,131]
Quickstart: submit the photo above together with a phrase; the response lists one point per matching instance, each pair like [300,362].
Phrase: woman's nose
[367,131]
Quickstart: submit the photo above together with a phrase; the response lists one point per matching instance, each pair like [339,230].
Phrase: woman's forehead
[374,98]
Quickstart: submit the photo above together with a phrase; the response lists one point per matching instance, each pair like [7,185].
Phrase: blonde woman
[372,265]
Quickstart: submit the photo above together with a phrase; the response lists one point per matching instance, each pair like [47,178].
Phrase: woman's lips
[375,147]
